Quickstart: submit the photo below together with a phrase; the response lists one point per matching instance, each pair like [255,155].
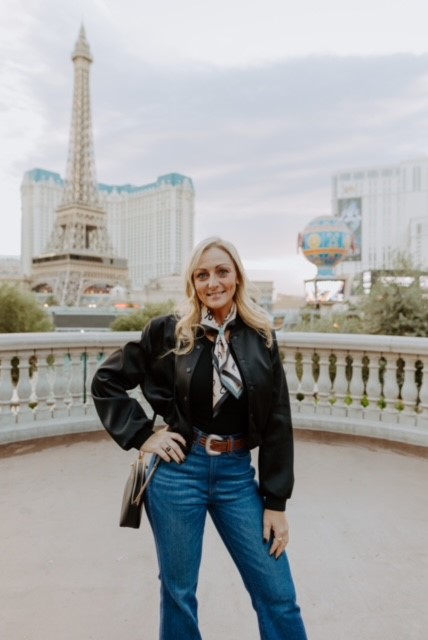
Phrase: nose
[212,281]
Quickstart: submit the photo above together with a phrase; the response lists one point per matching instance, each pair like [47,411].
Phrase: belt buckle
[208,449]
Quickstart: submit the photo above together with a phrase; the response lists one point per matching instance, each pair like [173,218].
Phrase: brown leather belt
[215,445]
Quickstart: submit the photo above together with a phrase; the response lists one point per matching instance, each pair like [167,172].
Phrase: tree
[329,322]
[138,320]
[395,310]
[20,312]
[396,305]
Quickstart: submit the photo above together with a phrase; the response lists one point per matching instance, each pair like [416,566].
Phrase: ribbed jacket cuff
[140,438]
[275,504]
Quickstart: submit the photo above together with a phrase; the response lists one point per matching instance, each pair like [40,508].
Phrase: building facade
[151,225]
[10,270]
[387,209]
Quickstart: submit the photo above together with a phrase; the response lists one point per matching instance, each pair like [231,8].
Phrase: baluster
[316,375]
[373,389]
[307,383]
[390,390]
[340,385]
[50,372]
[42,387]
[67,372]
[422,417]
[23,389]
[409,392]
[7,415]
[356,387]
[139,397]
[76,385]
[90,364]
[60,384]
[323,385]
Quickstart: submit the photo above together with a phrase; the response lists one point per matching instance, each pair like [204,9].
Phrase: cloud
[260,142]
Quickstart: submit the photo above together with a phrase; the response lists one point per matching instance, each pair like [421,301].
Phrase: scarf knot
[226,375]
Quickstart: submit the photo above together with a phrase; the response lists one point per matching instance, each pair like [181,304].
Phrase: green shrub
[137,321]
[20,311]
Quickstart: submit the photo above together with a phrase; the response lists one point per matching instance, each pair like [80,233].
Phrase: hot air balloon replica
[325,241]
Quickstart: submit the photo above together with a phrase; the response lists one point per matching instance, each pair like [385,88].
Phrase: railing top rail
[12,342]
[354,342]
[65,339]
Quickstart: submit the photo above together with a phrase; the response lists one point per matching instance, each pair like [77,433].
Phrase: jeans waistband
[215,445]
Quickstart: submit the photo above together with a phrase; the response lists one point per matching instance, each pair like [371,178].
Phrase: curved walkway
[359,532]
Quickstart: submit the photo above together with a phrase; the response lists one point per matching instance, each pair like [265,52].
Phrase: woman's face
[215,281]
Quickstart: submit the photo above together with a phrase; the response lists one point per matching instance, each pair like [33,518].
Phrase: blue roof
[172,179]
[41,175]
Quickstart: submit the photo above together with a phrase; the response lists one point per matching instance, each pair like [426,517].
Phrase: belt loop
[230,445]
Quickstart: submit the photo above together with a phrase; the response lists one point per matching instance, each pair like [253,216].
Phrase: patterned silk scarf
[226,375]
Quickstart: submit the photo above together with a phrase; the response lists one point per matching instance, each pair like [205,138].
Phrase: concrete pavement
[359,532]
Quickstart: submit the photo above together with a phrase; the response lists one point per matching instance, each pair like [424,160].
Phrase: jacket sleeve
[123,417]
[276,455]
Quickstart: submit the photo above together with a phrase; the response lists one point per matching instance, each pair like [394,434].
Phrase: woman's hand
[275,525]
[166,444]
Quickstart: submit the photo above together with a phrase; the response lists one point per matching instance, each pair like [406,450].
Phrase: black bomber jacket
[165,382]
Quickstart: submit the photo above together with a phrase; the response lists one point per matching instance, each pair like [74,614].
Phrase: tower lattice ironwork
[79,256]
[81,183]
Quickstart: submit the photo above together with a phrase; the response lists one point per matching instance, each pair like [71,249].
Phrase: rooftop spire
[81,48]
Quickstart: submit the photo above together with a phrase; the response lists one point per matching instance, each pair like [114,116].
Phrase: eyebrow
[222,264]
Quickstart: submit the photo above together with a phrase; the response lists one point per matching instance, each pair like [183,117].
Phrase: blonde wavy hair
[251,313]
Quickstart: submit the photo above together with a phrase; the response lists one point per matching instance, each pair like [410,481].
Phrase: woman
[216,378]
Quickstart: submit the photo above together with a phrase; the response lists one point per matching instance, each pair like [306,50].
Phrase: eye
[224,272]
[201,276]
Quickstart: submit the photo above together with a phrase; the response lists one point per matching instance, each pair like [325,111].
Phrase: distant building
[261,291]
[151,225]
[10,269]
[387,209]
[172,288]
[162,290]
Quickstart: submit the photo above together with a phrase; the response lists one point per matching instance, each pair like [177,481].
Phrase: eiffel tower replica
[79,257]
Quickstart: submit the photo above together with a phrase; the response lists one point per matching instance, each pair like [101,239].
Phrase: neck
[220,315]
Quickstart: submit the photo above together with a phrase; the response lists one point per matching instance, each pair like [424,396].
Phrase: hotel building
[151,225]
[387,209]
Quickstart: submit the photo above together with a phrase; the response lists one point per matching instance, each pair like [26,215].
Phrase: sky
[260,102]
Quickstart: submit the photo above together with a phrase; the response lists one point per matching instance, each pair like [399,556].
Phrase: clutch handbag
[137,482]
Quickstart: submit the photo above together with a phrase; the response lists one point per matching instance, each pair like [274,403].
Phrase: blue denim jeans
[177,501]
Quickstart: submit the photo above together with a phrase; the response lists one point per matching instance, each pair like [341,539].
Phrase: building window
[416,178]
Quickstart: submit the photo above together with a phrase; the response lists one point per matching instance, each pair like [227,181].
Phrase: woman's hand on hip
[167,445]
[275,529]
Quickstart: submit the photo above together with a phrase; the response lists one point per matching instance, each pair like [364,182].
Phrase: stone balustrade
[375,386]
